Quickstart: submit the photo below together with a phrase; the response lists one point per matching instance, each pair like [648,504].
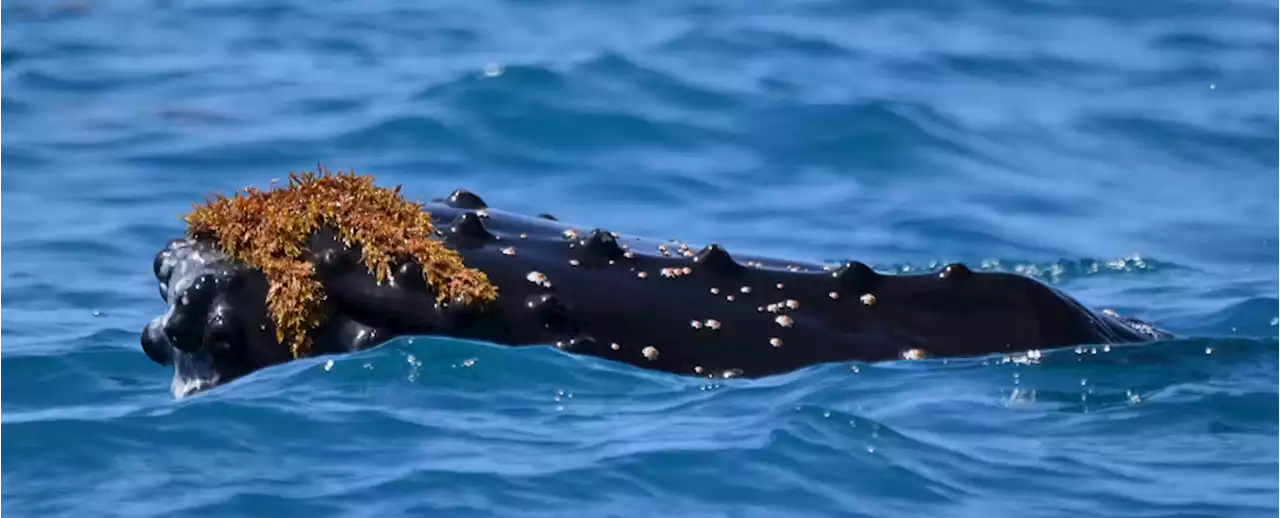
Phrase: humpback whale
[653,304]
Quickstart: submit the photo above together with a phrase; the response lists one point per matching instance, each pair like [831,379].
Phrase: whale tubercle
[955,272]
[717,259]
[468,226]
[855,275]
[464,199]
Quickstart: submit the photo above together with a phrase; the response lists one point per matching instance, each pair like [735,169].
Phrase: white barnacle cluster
[783,306]
[539,279]
[709,323]
[673,272]
[782,319]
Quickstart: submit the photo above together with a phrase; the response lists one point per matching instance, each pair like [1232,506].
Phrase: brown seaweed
[269,230]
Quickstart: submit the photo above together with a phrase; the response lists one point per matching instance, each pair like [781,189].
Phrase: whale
[650,303]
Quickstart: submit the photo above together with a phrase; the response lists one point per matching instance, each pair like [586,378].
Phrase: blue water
[1124,151]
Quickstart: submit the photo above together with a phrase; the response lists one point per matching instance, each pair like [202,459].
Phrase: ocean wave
[828,439]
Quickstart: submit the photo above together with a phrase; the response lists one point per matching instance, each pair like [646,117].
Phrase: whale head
[217,327]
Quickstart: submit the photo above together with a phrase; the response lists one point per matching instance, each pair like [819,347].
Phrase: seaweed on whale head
[269,230]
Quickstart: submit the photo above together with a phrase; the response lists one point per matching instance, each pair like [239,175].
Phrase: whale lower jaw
[192,375]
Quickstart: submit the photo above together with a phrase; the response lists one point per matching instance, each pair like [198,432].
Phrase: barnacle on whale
[269,230]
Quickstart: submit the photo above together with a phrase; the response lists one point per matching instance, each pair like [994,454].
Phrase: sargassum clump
[269,230]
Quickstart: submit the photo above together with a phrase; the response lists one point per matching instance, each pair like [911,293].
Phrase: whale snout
[155,344]
[192,371]
[216,328]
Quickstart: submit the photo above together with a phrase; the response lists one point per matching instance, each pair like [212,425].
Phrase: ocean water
[1124,151]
